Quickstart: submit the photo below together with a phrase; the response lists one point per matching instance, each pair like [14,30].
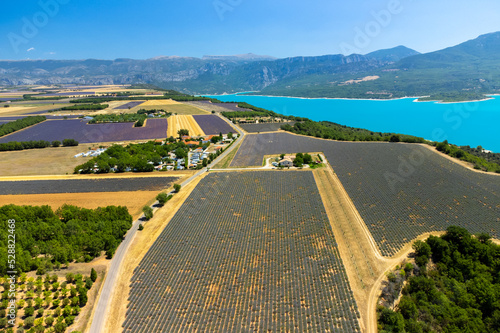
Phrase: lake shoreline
[416,98]
[473,124]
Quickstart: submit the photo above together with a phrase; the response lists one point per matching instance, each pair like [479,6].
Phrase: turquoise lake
[473,123]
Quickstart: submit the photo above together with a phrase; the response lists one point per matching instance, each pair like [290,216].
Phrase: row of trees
[47,239]
[474,156]
[89,107]
[15,145]
[20,124]
[329,130]
[459,292]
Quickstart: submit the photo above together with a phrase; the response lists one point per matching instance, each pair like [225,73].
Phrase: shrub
[49,321]
[162,198]
[69,142]
[93,275]
[60,327]
[148,212]
[29,322]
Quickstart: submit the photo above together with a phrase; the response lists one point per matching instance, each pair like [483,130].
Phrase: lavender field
[79,130]
[246,252]
[212,125]
[128,105]
[400,190]
[85,185]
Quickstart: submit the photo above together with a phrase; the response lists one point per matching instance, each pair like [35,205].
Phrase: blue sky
[109,29]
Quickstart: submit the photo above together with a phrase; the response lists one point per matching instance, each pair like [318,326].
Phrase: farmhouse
[286,162]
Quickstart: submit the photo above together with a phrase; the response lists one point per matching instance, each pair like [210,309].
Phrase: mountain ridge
[468,68]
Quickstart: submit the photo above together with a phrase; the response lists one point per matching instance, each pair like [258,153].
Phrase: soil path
[366,268]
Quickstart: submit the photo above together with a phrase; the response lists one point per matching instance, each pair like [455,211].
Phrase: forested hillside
[455,287]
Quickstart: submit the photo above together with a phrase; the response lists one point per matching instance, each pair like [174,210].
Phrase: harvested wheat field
[29,109]
[175,123]
[172,106]
[134,201]
[161,102]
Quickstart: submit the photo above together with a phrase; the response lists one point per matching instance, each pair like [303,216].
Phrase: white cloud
[30,49]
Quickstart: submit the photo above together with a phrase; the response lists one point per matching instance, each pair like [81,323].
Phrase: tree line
[482,161]
[46,239]
[23,145]
[333,131]
[256,112]
[19,124]
[86,107]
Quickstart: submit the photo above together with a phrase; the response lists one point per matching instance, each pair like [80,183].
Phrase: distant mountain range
[466,70]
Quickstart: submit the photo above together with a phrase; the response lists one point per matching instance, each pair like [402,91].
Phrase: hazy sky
[109,29]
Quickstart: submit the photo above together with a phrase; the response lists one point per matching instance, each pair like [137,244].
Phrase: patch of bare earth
[139,247]
[48,161]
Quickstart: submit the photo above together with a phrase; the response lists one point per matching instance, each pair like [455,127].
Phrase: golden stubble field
[164,104]
[23,109]
[168,105]
[175,123]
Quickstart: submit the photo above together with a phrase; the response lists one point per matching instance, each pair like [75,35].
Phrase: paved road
[103,303]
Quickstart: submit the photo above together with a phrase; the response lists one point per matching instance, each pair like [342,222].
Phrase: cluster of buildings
[91,153]
[195,157]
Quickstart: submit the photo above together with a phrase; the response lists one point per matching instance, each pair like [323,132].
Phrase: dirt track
[365,266]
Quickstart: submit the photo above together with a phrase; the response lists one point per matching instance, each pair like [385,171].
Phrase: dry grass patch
[47,161]
[134,201]
[161,102]
[15,109]
[22,109]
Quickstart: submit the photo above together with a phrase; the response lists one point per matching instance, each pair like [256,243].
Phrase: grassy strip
[226,161]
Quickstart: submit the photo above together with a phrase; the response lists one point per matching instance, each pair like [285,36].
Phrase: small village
[201,151]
